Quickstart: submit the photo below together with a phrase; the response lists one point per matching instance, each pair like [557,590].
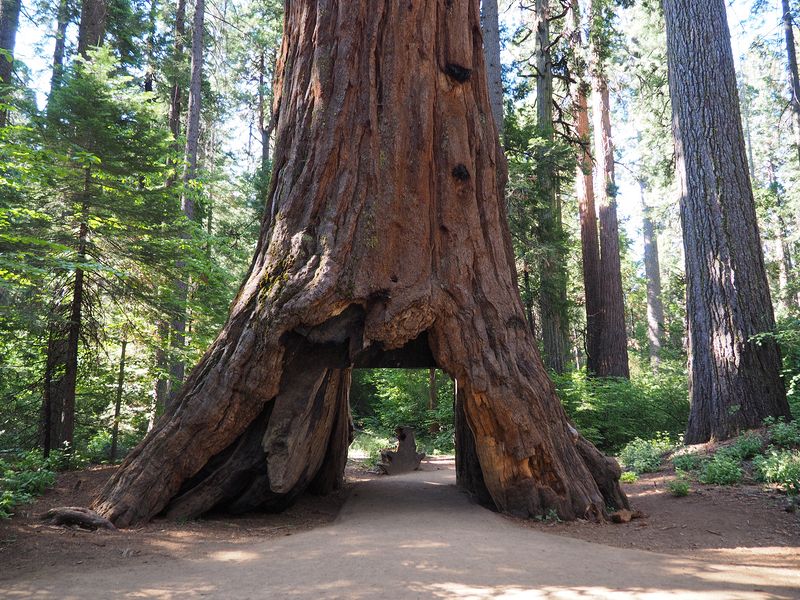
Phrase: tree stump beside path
[405,458]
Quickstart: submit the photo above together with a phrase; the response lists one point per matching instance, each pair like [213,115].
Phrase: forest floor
[415,536]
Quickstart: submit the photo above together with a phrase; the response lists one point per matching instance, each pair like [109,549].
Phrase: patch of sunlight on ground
[468,592]
[233,556]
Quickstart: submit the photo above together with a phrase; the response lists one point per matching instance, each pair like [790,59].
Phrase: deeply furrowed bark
[343,277]
[734,381]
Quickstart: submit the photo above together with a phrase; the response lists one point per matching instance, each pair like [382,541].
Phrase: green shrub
[781,467]
[679,487]
[644,456]
[782,433]
[687,462]
[721,470]
[629,477]
[745,447]
[23,477]
[612,412]
[787,335]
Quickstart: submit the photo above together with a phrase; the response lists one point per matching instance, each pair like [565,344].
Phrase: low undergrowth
[26,475]
[770,456]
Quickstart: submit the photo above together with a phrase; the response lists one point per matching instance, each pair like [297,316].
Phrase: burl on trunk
[384,242]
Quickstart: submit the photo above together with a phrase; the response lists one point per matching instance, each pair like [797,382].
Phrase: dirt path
[416,536]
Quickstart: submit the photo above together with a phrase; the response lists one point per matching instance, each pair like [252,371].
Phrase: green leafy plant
[781,467]
[629,477]
[644,456]
[782,433]
[721,470]
[679,487]
[744,447]
[23,477]
[687,462]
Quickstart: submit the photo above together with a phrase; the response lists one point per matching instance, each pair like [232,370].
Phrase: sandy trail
[416,536]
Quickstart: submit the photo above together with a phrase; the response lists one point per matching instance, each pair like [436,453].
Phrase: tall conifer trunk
[9,22]
[792,70]
[584,186]
[734,382]
[553,275]
[652,271]
[490,25]
[612,354]
[343,278]
[178,325]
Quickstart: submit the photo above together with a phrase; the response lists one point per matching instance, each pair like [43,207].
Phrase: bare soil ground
[28,545]
[739,525]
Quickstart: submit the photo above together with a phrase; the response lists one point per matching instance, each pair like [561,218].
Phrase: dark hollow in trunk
[343,277]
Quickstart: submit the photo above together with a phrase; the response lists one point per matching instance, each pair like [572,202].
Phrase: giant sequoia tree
[387,244]
[734,381]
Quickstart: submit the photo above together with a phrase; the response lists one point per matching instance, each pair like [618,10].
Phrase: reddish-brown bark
[388,244]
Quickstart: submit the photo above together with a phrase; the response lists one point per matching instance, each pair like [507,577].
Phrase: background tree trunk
[118,400]
[9,22]
[62,21]
[553,275]
[344,278]
[791,67]
[178,326]
[652,271]
[584,185]
[734,383]
[92,28]
[612,358]
[490,26]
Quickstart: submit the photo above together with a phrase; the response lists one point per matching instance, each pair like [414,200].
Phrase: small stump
[405,458]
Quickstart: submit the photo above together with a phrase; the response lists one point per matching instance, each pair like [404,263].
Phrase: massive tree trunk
[553,275]
[344,278]
[490,25]
[734,382]
[9,22]
[791,67]
[584,185]
[178,325]
[652,273]
[612,358]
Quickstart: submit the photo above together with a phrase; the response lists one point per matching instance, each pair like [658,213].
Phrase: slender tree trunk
[584,185]
[178,325]
[163,383]
[345,279]
[745,95]
[553,276]
[526,282]
[9,22]
[62,21]
[791,64]
[490,26]
[652,270]
[92,29]
[612,359]
[150,72]
[734,383]
[431,388]
[118,402]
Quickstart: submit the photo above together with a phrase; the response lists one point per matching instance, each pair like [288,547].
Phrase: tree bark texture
[92,28]
[734,383]
[553,275]
[652,272]
[343,278]
[118,401]
[9,22]
[612,358]
[490,26]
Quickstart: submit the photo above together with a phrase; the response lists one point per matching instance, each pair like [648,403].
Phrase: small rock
[621,516]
